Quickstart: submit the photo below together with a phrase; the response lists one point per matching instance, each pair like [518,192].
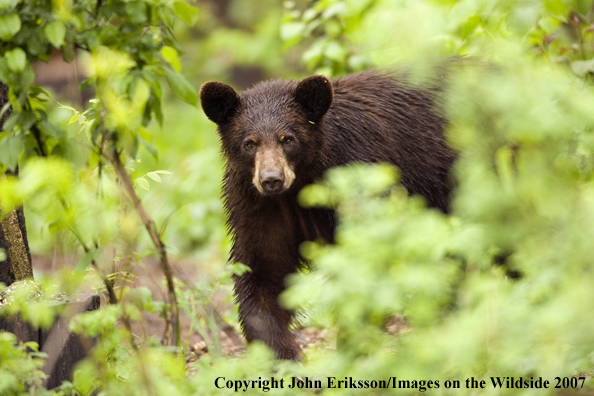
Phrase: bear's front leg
[261,315]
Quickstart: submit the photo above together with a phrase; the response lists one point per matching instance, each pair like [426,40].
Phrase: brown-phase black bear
[282,135]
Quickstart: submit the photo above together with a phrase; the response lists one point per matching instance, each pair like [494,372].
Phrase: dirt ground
[149,275]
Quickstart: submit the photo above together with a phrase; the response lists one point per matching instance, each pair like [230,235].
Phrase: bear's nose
[272,181]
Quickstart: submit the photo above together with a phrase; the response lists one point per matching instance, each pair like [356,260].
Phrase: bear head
[270,133]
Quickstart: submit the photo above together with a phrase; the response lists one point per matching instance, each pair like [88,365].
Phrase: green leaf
[291,30]
[335,51]
[185,12]
[140,296]
[469,26]
[11,147]
[55,32]
[145,134]
[26,120]
[72,109]
[155,105]
[85,260]
[167,15]
[314,54]
[2,254]
[38,315]
[16,59]
[581,68]
[154,176]
[336,9]
[67,53]
[315,195]
[170,55]
[181,86]
[309,14]
[143,183]
[151,149]
[238,269]
[4,72]
[89,131]
[39,93]
[51,129]
[137,11]
[11,121]
[22,84]
[9,26]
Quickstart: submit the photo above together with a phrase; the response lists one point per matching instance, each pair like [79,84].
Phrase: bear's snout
[272,181]
[272,173]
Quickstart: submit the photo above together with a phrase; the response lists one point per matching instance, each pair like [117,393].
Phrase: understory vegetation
[124,178]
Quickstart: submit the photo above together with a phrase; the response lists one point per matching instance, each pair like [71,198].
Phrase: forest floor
[149,275]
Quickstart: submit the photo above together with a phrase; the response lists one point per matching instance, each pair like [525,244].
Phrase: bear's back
[374,118]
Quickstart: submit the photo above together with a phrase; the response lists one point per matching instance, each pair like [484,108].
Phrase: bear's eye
[288,140]
[249,145]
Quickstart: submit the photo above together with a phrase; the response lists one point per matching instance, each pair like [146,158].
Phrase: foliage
[405,291]
[238,42]
[129,44]
[522,124]
[123,39]
[31,300]
[326,25]
[20,370]
[126,47]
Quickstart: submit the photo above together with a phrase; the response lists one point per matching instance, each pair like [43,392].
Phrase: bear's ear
[315,95]
[219,101]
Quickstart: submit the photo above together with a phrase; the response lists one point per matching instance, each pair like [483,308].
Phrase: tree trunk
[13,234]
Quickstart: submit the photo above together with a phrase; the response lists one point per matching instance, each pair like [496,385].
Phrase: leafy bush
[522,125]
[406,291]
[20,369]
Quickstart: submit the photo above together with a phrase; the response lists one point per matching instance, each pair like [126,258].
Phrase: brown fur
[364,117]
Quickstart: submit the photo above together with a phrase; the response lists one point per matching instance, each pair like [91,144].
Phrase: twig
[172,329]
[146,378]
[108,284]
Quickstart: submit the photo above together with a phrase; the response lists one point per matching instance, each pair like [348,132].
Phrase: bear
[280,136]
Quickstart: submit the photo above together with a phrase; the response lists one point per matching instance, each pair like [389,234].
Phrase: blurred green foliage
[405,291]
[521,121]
[20,369]
[326,26]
